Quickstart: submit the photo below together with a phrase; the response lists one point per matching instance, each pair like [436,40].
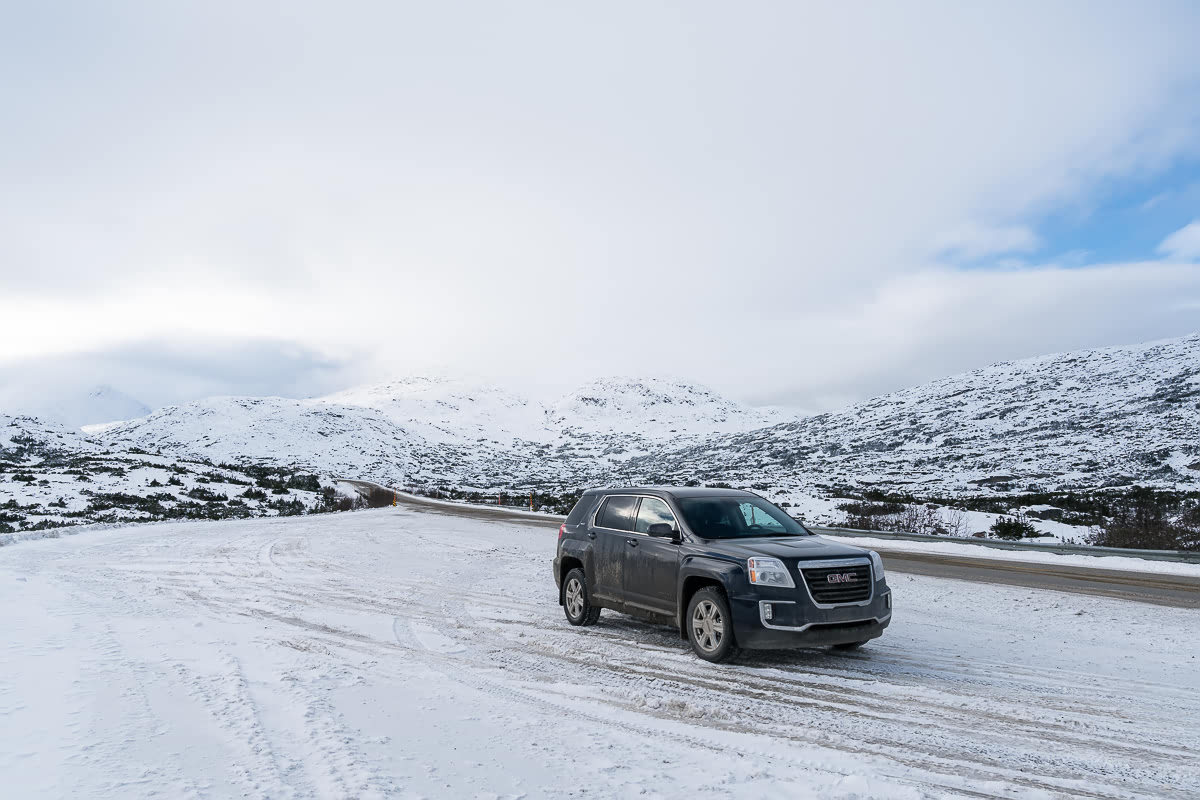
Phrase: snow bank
[1123,563]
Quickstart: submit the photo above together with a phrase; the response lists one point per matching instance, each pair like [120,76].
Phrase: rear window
[581,509]
[617,513]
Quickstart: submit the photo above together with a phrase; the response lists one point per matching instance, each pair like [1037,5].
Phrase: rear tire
[576,603]
[850,645]
[710,626]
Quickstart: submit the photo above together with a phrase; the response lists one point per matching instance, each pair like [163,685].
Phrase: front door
[651,563]
[613,526]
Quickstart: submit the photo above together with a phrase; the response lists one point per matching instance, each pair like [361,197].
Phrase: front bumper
[795,621]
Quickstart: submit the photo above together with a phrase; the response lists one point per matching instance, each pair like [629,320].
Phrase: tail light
[562,529]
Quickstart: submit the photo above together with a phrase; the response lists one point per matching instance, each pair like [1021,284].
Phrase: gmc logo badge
[841,577]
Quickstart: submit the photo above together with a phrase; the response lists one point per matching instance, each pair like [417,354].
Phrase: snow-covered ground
[403,654]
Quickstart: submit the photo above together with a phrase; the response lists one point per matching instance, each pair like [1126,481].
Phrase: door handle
[632,542]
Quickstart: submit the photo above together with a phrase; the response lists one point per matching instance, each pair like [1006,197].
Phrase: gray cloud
[161,373]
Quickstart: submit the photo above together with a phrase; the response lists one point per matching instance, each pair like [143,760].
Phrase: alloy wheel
[574,598]
[708,626]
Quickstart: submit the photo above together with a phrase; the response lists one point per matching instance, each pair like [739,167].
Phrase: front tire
[710,626]
[576,603]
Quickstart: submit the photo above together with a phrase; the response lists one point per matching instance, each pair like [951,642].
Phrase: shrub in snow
[288,508]
[894,517]
[47,524]
[307,483]
[208,495]
[1150,520]
[1012,528]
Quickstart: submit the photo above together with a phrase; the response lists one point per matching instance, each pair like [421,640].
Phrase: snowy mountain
[1087,419]
[425,430]
[70,405]
[654,409]
[342,440]
[1080,420]
[447,411]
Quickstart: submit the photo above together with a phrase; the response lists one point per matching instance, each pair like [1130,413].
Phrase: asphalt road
[1168,590]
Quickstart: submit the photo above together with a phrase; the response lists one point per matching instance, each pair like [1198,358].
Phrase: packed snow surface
[403,654]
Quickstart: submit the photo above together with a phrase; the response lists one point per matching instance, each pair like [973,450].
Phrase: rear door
[612,525]
[651,573]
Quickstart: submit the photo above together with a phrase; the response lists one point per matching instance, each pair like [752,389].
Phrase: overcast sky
[793,203]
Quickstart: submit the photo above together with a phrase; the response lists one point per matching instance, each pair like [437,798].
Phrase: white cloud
[1183,244]
[557,189]
[972,242]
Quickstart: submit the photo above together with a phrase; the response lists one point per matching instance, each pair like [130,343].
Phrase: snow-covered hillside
[423,430]
[335,439]
[654,409]
[1106,417]
[21,435]
[52,477]
[445,411]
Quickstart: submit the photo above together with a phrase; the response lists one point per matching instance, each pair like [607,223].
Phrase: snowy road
[396,653]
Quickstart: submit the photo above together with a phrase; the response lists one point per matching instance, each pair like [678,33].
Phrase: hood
[791,547]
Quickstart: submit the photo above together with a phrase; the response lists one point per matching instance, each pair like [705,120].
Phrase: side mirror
[662,530]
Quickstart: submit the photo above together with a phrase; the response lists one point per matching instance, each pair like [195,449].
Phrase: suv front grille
[847,585]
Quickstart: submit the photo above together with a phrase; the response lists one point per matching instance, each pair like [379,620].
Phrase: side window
[651,511]
[617,513]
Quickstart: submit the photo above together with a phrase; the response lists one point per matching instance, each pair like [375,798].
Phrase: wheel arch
[692,581]
[568,563]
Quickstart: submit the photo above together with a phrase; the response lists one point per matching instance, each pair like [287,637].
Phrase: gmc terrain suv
[725,567]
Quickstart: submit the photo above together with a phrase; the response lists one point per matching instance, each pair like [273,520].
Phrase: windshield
[737,517]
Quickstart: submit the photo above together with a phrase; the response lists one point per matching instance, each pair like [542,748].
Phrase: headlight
[769,572]
[876,565]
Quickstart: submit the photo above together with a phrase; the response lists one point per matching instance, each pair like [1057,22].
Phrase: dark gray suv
[727,568]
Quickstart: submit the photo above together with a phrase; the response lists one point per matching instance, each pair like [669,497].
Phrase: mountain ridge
[1082,419]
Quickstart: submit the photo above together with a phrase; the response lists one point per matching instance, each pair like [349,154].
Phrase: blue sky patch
[1127,222]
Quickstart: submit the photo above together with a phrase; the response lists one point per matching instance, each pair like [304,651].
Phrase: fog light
[767,613]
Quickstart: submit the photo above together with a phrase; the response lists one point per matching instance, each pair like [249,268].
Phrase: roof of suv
[675,491]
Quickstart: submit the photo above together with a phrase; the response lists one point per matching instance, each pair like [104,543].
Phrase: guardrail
[1184,556]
